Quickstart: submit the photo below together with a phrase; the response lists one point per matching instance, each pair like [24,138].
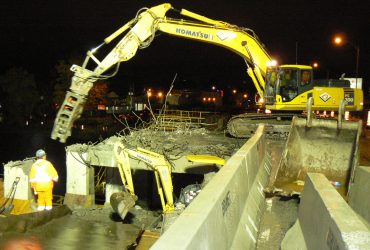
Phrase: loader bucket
[321,146]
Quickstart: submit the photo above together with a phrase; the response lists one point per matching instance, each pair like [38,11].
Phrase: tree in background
[19,96]
[62,81]
[97,95]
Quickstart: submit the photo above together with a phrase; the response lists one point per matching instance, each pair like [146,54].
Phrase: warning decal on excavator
[325,96]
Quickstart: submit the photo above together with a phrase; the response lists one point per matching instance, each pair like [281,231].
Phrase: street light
[338,40]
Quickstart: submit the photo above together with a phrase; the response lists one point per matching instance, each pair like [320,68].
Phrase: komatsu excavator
[281,88]
[123,201]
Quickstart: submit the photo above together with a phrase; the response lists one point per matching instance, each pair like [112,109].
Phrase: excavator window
[271,78]
[305,77]
[288,84]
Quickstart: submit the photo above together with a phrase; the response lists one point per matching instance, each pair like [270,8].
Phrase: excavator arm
[140,32]
[158,163]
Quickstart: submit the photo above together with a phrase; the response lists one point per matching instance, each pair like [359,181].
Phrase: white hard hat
[40,153]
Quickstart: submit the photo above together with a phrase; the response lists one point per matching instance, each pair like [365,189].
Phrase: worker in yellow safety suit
[42,178]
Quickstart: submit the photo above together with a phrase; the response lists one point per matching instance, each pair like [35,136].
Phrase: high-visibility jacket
[42,175]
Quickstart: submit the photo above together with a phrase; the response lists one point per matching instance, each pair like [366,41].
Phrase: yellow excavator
[123,201]
[281,88]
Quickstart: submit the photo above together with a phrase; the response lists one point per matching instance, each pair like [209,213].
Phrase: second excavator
[280,88]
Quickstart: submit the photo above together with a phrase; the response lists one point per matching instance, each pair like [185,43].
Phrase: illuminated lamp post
[338,40]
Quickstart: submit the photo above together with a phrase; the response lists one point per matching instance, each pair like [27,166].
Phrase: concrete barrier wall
[20,169]
[359,198]
[326,221]
[80,188]
[227,212]
[80,177]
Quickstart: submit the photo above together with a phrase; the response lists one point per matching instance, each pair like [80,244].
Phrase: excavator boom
[140,32]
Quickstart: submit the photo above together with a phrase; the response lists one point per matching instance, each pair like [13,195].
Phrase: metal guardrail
[173,119]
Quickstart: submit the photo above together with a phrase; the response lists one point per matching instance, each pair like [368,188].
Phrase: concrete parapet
[359,198]
[80,180]
[14,170]
[226,213]
[326,221]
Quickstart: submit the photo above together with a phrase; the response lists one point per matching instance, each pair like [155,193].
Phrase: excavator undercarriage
[245,125]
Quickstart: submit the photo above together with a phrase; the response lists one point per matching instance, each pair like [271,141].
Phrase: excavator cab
[287,81]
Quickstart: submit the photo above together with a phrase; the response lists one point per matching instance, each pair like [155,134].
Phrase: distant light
[361,104]
[315,65]
[213,99]
[26,123]
[245,96]
[338,40]
[42,123]
[346,115]
[209,98]
[149,94]
[368,118]
[261,100]
[332,114]
[267,111]
[82,127]
[272,63]
[213,87]
[160,94]
[234,91]
[204,99]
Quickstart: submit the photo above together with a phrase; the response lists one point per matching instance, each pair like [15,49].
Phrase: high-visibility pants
[45,199]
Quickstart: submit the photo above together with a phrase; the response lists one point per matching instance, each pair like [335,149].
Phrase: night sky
[36,34]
